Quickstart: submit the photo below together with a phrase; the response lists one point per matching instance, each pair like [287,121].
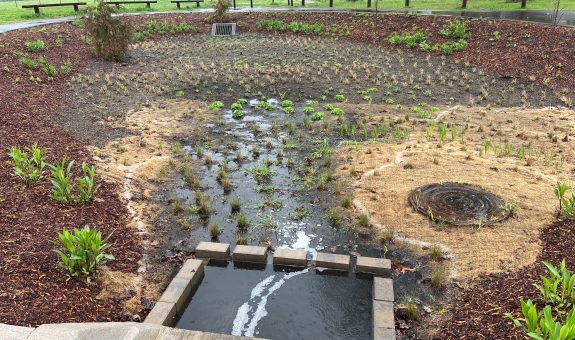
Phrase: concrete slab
[192,270]
[10,332]
[250,254]
[383,289]
[383,314]
[213,250]
[120,330]
[383,334]
[163,313]
[178,292]
[290,257]
[332,261]
[373,265]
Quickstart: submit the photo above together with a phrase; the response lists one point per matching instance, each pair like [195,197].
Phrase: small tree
[110,37]
[220,14]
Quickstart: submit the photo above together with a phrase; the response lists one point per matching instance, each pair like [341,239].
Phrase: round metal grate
[458,204]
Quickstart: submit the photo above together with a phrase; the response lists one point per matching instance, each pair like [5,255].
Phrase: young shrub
[220,14]
[85,185]
[62,181]
[110,37]
[28,165]
[82,251]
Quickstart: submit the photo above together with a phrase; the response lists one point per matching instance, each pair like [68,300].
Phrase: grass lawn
[13,11]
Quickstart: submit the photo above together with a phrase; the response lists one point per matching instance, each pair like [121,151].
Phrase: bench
[177,2]
[37,6]
[118,3]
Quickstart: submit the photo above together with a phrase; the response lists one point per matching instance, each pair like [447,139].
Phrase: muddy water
[284,152]
[277,305]
[303,304]
[295,305]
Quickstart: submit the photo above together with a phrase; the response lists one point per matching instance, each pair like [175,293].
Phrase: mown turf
[13,12]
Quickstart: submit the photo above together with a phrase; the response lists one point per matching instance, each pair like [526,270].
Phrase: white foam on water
[243,325]
[261,311]
[302,241]
[259,288]
[241,319]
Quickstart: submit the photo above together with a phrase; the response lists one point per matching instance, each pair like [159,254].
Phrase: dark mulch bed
[33,289]
[524,50]
[478,313]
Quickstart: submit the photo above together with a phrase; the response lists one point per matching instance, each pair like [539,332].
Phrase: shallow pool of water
[279,304]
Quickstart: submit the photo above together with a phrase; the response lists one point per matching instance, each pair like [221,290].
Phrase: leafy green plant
[566,204]
[559,190]
[337,112]
[35,45]
[66,67]
[50,70]
[262,172]
[82,251]
[555,321]
[62,181]
[294,26]
[308,110]
[29,63]
[542,325]
[339,97]
[28,164]
[442,130]
[217,105]
[328,107]
[558,289]
[85,185]
[238,114]
[456,29]
[317,116]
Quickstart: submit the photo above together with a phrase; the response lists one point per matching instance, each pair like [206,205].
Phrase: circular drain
[458,204]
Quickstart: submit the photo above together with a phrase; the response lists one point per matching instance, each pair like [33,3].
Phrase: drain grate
[458,204]
[224,29]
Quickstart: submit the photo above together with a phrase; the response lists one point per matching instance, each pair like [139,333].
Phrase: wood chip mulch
[33,290]
[478,313]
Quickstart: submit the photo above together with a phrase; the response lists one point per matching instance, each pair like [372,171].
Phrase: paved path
[546,17]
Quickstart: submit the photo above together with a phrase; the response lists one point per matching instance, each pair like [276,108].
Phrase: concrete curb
[372,265]
[383,314]
[174,300]
[332,261]
[250,254]
[290,257]
[213,250]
